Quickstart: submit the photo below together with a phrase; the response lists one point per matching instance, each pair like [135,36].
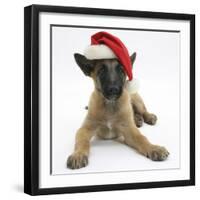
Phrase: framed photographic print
[109,99]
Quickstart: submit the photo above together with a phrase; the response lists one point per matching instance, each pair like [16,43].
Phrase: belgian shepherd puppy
[113,113]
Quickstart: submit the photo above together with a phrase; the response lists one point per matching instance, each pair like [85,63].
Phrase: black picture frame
[31,98]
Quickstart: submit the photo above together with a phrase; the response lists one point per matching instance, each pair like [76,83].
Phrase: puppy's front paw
[150,118]
[77,161]
[157,153]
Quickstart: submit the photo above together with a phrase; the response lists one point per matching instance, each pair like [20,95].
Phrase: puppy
[112,112]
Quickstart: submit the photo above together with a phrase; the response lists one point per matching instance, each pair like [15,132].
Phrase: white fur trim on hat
[132,86]
[99,51]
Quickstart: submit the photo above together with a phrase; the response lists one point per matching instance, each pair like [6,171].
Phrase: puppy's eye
[102,69]
[120,69]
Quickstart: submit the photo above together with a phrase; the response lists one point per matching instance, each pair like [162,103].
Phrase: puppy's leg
[140,109]
[138,119]
[134,139]
[79,158]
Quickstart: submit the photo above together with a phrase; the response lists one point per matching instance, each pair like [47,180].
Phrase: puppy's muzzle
[113,92]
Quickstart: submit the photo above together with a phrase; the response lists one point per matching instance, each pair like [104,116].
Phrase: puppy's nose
[113,90]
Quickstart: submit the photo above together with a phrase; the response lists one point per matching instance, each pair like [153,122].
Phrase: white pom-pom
[132,86]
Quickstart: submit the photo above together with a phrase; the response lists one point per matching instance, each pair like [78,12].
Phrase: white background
[157,67]
[11,105]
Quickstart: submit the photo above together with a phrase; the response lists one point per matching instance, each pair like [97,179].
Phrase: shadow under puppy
[113,112]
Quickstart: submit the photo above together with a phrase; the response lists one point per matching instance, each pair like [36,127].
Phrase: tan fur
[115,120]
[140,110]
[112,120]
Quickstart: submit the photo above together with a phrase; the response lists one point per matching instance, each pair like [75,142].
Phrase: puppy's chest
[107,130]
[111,117]
[109,125]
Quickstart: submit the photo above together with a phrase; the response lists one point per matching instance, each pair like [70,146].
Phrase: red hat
[107,46]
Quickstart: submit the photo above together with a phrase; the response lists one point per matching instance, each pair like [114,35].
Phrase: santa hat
[107,46]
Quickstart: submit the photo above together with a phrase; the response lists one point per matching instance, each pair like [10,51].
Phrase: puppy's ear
[85,64]
[133,57]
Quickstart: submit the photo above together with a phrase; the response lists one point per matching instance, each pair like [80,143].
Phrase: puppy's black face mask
[108,74]
[110,79]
